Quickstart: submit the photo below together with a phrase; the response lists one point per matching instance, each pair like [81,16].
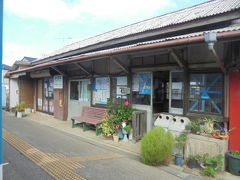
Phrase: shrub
[211,164]
[156,146]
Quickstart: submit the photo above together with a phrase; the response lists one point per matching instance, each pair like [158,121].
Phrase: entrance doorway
[48,104]
[45,101]
[168,92]
[161,91]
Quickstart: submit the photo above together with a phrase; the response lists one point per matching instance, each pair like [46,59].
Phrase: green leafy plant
[195,157]
[208,123]
[211,164]
[21,107]
[156,146]
[235,153]
[108,126]
[208,171]
[128,128]
[202,125]
[121,113]
[180,142]
[194,127]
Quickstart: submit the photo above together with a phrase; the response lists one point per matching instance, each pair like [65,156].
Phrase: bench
[90,117]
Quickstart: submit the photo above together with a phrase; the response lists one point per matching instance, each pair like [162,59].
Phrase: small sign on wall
[58,82]
[39,102]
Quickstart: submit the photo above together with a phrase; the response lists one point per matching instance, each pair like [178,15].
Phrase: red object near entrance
[234,110]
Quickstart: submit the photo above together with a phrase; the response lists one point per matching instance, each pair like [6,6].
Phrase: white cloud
[60,10]
[13,52]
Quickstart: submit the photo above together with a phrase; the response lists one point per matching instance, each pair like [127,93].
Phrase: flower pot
[108,137]
[233,164]
[193,163]
[120,134]
[179,160]
[130,135]
[115,138]
[19,114]
[125,139]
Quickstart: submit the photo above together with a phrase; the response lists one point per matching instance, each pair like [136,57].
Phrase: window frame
[187,99]
[151,91]
[79,90]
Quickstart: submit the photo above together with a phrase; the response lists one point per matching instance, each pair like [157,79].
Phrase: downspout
[210,39]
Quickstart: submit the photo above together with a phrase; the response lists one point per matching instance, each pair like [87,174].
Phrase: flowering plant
[114,118]
[21,107]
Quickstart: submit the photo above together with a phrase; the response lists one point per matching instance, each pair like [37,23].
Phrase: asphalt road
[49,140]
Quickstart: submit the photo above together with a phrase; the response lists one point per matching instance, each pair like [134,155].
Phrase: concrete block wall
[198,144]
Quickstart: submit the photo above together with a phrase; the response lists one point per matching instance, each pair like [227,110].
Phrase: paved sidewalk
[66,126]
[129,147]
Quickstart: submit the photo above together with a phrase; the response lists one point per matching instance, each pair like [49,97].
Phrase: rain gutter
[188,40]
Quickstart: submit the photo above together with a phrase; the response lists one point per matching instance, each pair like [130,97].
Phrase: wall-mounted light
[210,38]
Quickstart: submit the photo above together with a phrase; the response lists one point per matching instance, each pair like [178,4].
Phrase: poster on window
[58,82]
[145,83]
[135,86]
[101,83]
[122,81]
[102,90]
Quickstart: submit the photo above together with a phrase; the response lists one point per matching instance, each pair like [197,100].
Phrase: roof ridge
[184,15]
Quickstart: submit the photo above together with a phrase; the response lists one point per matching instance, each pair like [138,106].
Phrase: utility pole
[1,56]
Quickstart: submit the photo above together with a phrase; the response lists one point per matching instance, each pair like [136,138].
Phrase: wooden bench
[90,117]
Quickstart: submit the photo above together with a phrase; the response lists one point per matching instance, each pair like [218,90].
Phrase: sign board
[58,82]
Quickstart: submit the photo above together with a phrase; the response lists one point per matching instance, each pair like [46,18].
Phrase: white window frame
[79,90]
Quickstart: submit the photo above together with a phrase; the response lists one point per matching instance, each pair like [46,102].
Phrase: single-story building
[20,85]
[184,63]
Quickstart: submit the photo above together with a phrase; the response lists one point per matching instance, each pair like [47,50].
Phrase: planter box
[198,144]
[233,164]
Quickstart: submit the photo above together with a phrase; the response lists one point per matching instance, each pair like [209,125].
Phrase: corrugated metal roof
[188,14]
[232,31]
[226,29]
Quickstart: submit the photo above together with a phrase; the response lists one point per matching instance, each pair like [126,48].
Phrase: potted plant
[180,142]
[208,124]
[107,126]
[193,161]
[116,133]
[233,162]
[20,109]
[194,127]
[211,165]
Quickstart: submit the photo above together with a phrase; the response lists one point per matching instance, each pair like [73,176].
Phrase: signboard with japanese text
[58,82]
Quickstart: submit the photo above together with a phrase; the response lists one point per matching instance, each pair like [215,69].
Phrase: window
[80,90]
[85,90]
[74,91]
[142,88]
[206,93]
[176,101]
[101,91]
[119,89]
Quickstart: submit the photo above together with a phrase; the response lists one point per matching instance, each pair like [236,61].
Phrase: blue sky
[37,27]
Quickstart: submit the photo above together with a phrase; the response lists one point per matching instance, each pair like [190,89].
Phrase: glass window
[74,91]
[177,90]
[206,93]
[142,88]
[101,91]
[84,90]
[119,89]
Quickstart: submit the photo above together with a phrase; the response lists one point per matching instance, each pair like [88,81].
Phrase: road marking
[57,165]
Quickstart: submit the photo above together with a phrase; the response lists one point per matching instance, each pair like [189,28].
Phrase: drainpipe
[210,39]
